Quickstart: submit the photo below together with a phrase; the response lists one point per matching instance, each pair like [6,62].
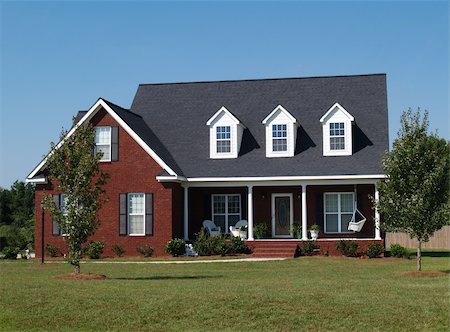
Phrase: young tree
[415,196]
[75,170]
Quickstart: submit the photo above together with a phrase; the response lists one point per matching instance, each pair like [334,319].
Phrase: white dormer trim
[224,118]
[337,117]
[280,116]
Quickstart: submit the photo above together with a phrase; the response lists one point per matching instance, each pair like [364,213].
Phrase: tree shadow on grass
[168,277]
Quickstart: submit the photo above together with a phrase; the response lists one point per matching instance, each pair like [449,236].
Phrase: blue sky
[59,57]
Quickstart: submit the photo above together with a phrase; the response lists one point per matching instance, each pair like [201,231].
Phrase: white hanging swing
[358,219]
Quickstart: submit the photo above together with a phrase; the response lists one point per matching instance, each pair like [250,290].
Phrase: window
[223,137]
[136,214]
[338,211]
[279,137]
[103,142]
[337,136]
[226,210]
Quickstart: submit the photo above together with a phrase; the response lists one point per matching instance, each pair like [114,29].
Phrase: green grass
[318,293]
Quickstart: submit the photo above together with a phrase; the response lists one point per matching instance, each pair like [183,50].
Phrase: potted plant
[314,230]
[243,232]
[297,231]
[260,230]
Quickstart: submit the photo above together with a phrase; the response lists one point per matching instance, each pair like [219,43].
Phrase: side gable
[114,111]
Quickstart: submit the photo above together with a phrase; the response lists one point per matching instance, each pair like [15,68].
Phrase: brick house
[276,151]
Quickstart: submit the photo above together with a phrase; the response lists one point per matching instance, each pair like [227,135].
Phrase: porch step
[273,248]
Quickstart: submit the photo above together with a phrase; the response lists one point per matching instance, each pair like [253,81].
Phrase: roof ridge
[264,79]
[124,109]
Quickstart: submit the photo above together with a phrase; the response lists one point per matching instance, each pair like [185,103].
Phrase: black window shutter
[123,214]
[56,230]
[148,214]
[114,143]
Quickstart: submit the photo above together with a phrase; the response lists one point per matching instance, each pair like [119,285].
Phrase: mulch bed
[426,274]
[81,276]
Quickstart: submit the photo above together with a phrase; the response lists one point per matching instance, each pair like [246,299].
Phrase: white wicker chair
[357,222]
[211,228]
[235,230]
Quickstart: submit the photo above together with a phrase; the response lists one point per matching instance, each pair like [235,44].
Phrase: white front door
[282,215]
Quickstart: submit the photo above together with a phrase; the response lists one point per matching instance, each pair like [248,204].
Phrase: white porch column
[250,212]
[186,213]
[304,215]
[377,216]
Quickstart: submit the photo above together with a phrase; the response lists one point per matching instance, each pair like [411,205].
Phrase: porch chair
[357,221]
[234,230]
[211,228]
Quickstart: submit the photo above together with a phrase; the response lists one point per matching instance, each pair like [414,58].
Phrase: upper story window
[279,137]
[281,133]
[223,139]
[103,142]
[225,135]
[337,131]
[337,136]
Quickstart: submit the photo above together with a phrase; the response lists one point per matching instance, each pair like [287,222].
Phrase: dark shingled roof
[177,114]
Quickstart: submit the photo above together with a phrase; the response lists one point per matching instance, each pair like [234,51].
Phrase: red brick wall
[134,172]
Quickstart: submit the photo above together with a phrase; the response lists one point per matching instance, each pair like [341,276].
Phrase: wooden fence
[440,240]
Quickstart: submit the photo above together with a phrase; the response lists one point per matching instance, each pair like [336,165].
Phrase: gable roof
[277,109]
[130,122]
[341,109]
[307,99]
[222,110]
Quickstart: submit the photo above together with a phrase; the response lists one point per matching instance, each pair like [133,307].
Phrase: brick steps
[273,249]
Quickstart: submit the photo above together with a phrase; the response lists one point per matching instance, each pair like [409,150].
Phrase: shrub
[347,248]
[238,246]
[10,252]
[374,250]
[94,249]
[260,230]
[308,248]
[51,250]
[145,251]
[118,250]
[176,247]
[207,246]
[398,251]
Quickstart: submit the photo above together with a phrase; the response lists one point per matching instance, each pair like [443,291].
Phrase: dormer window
[225,135]
[281,133]
[337,131]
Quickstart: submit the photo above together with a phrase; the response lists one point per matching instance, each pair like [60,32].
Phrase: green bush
[176,247]
[347,248]
[238,246]
[51,250]
[118,250]
[374,250]
[145,251]
[260,230]
[308,248]
[218,245]
[398,251]
[10,252]
[94,249]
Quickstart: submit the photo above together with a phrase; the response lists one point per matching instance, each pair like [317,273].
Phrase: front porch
[282,206]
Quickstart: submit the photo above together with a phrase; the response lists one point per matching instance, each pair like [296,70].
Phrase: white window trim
[110,144]
[224,139]
[330,117]
[291,132]
[226,214]
[338,213]
[337,136]
[135,214]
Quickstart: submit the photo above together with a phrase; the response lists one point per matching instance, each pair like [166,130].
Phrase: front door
[282,215]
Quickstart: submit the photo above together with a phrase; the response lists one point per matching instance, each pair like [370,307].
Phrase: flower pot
[314,234]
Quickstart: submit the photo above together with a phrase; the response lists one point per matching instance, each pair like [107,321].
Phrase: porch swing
[358,219]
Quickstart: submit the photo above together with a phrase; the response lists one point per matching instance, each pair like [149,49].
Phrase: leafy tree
[415,196]
[75,170]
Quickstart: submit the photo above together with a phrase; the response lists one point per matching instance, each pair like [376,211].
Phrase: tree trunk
[419,256]
[77,268]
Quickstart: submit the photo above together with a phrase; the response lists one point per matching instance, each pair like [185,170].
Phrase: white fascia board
[282,109]
[167,178]
[288,178]
[224,110]
[92,111]
[342,109]
[38,180]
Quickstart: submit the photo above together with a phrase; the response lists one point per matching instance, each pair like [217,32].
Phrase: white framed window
[226,210]
[337,136]
[136,213]
[103,142]
[279,137]
[223,139]
[338,211]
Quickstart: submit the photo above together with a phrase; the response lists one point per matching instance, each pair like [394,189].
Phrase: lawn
[319,293]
